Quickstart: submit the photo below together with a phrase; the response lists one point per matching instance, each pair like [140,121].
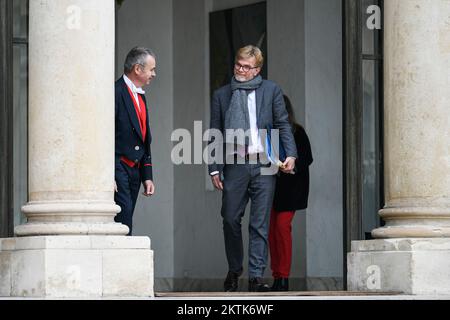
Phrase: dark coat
[129,141]
[292,191]
[270,109]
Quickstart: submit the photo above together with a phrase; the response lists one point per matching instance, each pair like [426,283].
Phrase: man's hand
[217,182]
[115,187]
[289,165]
[149,188]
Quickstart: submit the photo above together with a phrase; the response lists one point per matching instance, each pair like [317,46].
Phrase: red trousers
[280,243]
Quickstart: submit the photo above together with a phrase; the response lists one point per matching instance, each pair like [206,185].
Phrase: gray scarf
[237,116]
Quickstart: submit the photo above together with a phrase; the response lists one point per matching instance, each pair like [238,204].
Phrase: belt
[251,156]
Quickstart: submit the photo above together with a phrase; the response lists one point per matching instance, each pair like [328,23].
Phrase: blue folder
[274,156]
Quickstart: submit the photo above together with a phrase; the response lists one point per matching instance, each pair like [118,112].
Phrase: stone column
[412,253]
[417,119]
[71,247]
[71,119]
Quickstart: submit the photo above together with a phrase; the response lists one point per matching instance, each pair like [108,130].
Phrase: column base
[70,228]
[414,222]
[54,218]
[76,267]
[409,266]
[419,231]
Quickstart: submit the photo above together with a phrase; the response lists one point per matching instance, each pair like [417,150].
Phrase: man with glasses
[133,160]
[248,104]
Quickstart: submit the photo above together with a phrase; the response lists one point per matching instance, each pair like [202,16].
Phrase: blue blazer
[129,140]
[270,112]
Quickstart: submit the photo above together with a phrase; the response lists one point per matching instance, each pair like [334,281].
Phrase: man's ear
[136,69]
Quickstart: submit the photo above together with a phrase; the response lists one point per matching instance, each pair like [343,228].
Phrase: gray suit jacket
[270,109]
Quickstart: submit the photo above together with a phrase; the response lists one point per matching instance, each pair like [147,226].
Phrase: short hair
[137,55]
[251,51]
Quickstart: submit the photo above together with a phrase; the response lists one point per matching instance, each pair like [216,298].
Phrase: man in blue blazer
[248,104]
[133,159]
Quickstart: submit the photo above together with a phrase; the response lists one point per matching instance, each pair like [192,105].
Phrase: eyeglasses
[238,66]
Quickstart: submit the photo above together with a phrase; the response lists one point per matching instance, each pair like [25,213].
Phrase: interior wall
[199,249]
[324,125]
[149,23]
[287,68]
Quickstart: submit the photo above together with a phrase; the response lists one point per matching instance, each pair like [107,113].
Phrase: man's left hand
[288,165]
[149,188]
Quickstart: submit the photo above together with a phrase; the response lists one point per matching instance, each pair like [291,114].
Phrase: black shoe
[231,282]
[284,284]
[256,285]
[276,284]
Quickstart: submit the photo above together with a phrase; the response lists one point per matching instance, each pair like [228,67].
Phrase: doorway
[230,30]
[304,47]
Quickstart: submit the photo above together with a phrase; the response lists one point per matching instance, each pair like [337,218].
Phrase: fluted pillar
[411,254]
[71,119]
[417,119]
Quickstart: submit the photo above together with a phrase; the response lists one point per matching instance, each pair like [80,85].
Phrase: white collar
[131,85]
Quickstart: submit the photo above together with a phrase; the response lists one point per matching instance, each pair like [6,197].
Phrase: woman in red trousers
[291,194]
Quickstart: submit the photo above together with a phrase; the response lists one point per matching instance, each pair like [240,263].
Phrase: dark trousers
[244,182]
[128,184]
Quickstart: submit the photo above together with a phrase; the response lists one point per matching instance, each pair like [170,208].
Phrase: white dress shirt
[255,141]
[255,144]
[135,90]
